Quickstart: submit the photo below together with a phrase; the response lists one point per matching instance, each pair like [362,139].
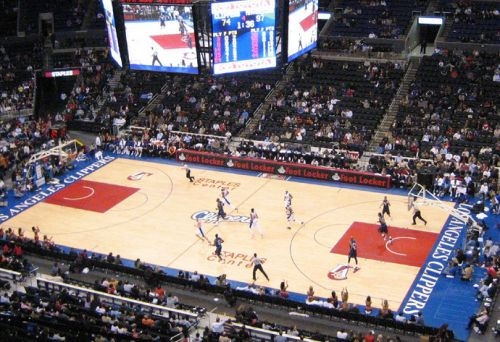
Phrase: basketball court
[147,210]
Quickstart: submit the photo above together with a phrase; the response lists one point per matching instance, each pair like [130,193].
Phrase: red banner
[61,73]
[285,169]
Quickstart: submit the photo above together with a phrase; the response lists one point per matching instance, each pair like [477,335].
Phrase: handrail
[369,154]
[56,284]
[15,113]
[139,128]
[201,135]
[13,275]
[353,154]
[266,332]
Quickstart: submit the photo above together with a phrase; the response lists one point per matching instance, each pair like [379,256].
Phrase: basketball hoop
[427,198]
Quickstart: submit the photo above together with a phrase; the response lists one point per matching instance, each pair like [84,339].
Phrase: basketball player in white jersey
[224,192]
[254,223]
[200,232]
[290,217]
[288,199]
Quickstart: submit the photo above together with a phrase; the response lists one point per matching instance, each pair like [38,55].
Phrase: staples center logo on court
[211,217]
[139,175]
[339,272]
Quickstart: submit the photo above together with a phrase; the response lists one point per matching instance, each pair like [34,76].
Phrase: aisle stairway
[113,83]
[383,130]
[253,122]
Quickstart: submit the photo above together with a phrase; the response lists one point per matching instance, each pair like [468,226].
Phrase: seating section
[291,153]
[95,70]
[352,46]
[211,105]
[451,107]
[134,92]
[324,4]
[66,42]
[376,18]
[85,102]
[331,103]
[8,12]
[18,62]
[68,15]
[98,310]
[49,315]
[473,21]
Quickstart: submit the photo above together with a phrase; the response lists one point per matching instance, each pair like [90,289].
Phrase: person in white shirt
[171,301]
[342,334]
[440,183]
[461,190]
[417,213]
[257,265]
[100,310]
[218,326]
[483,191]
[400,318]
[128,287]
[195,276]
[454,184]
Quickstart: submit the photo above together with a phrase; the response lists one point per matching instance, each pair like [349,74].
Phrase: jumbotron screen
[114,48]
[302,27]
[160,38]
[243,35]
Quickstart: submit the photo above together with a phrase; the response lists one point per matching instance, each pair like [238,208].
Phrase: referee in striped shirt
[257,265]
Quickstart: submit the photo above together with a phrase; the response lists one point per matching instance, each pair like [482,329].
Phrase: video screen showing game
[160,38]
[302,27]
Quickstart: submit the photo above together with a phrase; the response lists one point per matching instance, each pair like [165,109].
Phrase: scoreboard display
[243,35]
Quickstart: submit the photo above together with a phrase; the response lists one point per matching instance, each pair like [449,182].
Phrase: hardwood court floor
[154,222]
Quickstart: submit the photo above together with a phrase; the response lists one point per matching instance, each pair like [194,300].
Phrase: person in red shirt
[148,322]
[492,272]
[370,337]
[160,292]
[18,251]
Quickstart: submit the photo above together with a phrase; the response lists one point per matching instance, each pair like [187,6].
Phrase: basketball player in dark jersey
[182,25]
[220,211]
[162,20]
[353,253]
[385,207]
[383,228]
[188,40]
[290,217]
[218,246]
